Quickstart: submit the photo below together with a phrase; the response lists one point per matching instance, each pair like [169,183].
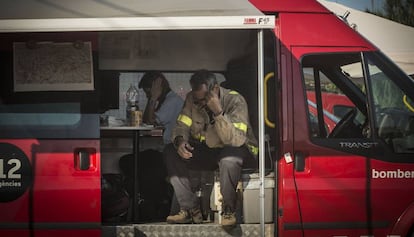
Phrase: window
[345,103]
[43,115]
[393,110]
[331,92]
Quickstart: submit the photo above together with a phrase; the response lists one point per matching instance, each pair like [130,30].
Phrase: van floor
[162,229]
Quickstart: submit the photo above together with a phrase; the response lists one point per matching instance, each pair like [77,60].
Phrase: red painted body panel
[58,187]
[289,6]
[308,23]
[337,188]
[405,221]
[329,101]
[297,30]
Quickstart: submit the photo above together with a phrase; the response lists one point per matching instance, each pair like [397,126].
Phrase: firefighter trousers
[229,161]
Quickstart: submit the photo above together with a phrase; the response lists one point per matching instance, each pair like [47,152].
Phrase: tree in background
[401,11]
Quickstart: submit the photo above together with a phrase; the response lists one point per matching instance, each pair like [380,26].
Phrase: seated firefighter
[212,130]
[163,103]
[162,109]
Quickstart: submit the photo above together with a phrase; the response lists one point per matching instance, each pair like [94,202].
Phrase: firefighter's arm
[183,122]
[231,124]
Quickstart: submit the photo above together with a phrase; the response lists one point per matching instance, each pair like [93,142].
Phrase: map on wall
[50,66]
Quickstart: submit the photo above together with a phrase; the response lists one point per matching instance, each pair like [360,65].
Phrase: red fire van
[60,63]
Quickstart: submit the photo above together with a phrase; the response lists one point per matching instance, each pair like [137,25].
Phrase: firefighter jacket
[231,128]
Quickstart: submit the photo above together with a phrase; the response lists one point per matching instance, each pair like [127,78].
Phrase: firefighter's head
[202,83]
[148,79]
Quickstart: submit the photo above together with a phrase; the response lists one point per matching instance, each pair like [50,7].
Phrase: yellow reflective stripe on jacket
[233,92]
[200,138]
[253,149]
[241,126]
[185,119]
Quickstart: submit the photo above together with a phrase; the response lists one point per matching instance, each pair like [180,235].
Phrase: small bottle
[131,103]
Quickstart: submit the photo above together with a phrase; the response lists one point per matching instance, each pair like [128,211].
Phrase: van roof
[309,6]
[112,15]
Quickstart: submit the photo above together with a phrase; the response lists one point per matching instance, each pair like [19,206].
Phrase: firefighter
[163,103]
[212,130]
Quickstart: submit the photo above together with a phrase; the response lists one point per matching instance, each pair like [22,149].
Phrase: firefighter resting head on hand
[212,131]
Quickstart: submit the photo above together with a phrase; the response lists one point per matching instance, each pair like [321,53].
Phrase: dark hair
[201,77]
[149,77]
[146,82]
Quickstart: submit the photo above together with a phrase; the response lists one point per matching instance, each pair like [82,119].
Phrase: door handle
[83,157]
[299,161]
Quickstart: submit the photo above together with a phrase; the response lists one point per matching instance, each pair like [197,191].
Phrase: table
[150,131]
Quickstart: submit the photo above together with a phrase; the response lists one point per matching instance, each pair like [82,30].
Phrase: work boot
[196,215]
[186,217]
[228,217]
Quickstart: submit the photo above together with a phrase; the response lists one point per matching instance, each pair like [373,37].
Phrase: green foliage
[401,11]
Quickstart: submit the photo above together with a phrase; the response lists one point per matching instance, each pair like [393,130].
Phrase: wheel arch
[405,223]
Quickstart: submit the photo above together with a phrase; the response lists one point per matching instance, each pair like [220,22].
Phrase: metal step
[186,230]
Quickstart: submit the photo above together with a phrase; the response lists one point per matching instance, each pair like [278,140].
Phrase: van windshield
[393,108]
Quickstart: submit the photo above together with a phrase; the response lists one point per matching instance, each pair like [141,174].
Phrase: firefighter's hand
[213,103]
[185,150]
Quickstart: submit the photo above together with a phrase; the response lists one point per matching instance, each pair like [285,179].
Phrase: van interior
[104,65]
